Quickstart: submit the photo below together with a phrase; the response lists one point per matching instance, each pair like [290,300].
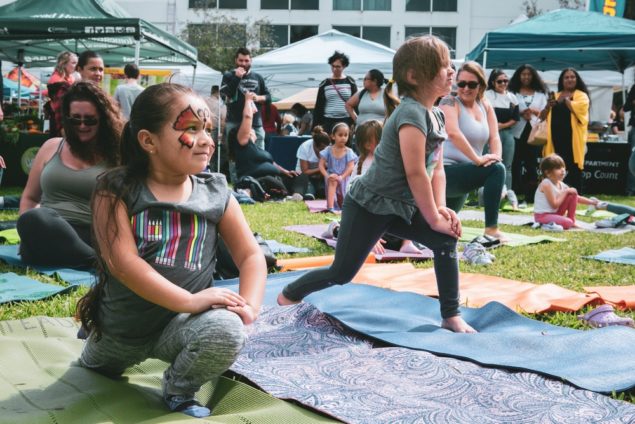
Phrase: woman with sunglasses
[505,107]
[471,124]
[531,93]
[333,93]
[55,216]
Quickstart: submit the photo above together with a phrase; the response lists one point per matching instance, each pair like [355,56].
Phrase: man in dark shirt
[629,106]
[234,86]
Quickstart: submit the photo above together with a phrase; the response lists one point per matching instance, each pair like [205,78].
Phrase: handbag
[538,134]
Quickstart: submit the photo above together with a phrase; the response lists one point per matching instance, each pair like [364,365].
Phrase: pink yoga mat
[390,255]
[315,206]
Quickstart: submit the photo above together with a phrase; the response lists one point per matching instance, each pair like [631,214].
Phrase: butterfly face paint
[189,121]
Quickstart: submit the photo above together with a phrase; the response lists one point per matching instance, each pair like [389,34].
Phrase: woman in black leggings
[55,216]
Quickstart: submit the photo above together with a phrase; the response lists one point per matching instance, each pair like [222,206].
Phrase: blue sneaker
[186,405]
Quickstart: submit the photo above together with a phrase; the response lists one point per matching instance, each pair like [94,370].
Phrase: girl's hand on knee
[246,312]
[445,226]
[451,216]
[214,297]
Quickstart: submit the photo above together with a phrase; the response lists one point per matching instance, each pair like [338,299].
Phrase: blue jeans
[509,145]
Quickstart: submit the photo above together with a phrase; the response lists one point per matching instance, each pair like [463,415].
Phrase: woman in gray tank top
[55,217]
[471,124]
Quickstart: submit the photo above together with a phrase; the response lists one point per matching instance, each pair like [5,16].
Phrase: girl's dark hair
[377,76]
[579,84]
[299,109]
[537,84]
[549,163]
[363,134]
[492,78]
[151,111]
[320,137]
[110,124]
[85,56]
[341,57]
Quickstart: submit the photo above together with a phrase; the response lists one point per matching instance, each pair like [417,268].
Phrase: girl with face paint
[157,220]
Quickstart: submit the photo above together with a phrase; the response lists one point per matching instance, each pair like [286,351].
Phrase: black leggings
[359,231]
[48,239]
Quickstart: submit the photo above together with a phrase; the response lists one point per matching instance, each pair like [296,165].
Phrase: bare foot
[283,301]
[408,247]
[496,234]
[457,324]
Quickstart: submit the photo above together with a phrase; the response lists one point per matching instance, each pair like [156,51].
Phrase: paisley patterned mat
[299,353]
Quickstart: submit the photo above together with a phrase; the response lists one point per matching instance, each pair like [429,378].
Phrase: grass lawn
[559,263]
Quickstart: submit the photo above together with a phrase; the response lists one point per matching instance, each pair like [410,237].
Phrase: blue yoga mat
[625,255]
[275,284]
[600,360]
[74,277]
[14,288]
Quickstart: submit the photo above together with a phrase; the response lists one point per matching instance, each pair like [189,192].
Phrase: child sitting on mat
[336,165]
[156,222]
[403,192]
[367,136]
[554,199]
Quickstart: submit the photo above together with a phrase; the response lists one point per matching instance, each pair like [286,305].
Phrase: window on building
[355,31]
[444,5]
[205,4]
[377,4]
[278,36]
[274,4]
[418,5]
[300,32]
[305,4]
[347,4]
[417,31]
[447,34]
[379,35]
[232,4]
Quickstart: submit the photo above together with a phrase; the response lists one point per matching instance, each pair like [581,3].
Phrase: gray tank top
[371,109]
[68,191]
[476,133]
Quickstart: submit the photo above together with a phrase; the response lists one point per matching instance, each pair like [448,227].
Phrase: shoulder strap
[337,90]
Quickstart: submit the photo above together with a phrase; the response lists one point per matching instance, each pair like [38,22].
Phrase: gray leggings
[359,231]
[462,178]
[198,347]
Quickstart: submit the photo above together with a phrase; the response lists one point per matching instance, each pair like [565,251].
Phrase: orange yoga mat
[476,289]
[621,296]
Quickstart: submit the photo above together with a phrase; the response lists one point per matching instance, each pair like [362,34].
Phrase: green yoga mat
[40,382]
[9,236]
[470,234]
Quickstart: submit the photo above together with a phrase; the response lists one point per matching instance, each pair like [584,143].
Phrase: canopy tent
[305,97]
[559,39]
[303,64]
[33,32]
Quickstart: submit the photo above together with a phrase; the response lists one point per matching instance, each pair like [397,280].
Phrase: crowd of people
[122,186]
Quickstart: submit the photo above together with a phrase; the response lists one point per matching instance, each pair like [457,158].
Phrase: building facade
[461,23]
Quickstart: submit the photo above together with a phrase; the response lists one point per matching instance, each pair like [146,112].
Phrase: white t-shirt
[541,204]
[365,165]
[306,152]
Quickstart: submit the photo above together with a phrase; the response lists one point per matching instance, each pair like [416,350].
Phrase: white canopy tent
[304,64]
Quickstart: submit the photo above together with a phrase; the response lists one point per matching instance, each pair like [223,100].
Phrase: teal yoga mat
[14,288]
[74,277]
[600,360]
[625,255]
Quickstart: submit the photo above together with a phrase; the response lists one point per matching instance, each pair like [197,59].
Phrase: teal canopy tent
[559,39]
[33,32]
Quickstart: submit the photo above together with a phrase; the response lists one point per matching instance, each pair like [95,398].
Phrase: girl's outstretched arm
[249,259]
[119,252]
[413,154]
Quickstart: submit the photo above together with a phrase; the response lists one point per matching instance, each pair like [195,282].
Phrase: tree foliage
[217,36]
[530,7]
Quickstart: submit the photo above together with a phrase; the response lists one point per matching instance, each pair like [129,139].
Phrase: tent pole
[193,76]
[623,88]
[19,85]
[485,59]
[137,51]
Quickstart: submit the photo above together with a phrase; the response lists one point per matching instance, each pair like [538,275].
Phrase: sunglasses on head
[469,84]
[89,122]
[502,81]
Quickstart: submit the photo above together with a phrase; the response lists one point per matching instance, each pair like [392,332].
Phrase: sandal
[487,241]
[603,316]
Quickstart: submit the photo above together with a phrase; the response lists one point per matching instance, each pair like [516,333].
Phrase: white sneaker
[553,227]
[332,230]
[476,254]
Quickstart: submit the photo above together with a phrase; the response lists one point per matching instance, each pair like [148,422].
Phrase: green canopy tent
[559,39]
[33,32]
